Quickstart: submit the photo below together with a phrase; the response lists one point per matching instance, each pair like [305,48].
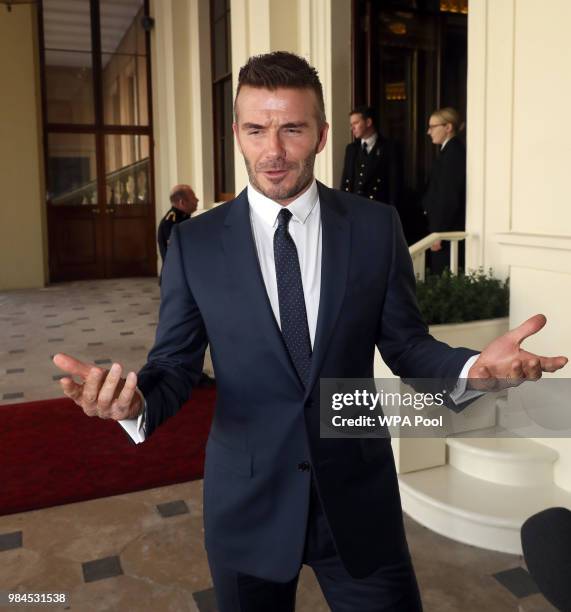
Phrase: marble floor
[143,551]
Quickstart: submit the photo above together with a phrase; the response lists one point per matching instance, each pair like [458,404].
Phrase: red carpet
[52,454]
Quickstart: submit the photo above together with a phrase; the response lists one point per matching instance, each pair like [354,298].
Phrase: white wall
[182,99]
[23,243]
[519,154]
[319,30]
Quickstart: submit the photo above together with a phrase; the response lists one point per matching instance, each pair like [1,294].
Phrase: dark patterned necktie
[365,148]
[293,316]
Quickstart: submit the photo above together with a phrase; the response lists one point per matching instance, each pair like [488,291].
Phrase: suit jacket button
[303,466]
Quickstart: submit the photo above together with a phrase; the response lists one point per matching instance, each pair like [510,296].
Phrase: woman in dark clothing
[444,202]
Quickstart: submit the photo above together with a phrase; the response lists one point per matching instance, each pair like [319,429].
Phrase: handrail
[86,193]
[418,251]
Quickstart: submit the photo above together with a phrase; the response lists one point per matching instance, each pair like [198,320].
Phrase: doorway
[410,58]
[98,142]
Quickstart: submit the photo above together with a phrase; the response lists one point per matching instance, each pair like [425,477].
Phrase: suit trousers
[392,588]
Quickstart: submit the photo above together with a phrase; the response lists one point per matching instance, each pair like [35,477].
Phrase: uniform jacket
[266,424]
[173,217]
[375,175]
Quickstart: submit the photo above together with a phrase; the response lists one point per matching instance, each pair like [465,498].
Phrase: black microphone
[546,542]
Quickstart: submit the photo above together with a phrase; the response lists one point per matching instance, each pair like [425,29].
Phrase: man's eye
[253,132]
[294,131]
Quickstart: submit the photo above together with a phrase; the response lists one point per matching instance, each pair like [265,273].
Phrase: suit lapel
[246,277]
[336,243]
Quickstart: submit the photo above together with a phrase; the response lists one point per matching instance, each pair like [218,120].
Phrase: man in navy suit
[289,283]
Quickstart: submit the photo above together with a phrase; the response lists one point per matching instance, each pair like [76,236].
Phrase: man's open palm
[503,363]
[101,392]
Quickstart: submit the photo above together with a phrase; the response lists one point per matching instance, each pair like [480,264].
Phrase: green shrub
[466,297]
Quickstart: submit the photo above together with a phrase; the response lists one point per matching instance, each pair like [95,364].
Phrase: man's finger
[481,379]
[532,369]
[552,364]
[72,366]
[91,387]
[528,328]
[108,390]
[516,372]
[74,391]
[70,388]
[121,407]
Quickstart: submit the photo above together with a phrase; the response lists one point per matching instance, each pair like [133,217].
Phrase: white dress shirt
[305,229]
[370,142]
[445,143]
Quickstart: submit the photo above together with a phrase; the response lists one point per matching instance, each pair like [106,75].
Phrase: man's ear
[236,135]
[368,122]
[323,131]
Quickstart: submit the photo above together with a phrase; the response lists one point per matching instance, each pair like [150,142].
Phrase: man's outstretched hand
[101,392]
[503,363]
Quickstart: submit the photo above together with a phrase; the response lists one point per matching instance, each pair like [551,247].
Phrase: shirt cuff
[136,427]
[459,395]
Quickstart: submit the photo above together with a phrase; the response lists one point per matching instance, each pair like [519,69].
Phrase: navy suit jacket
[266,423]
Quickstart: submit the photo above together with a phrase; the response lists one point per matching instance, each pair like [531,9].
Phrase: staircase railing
[418,251]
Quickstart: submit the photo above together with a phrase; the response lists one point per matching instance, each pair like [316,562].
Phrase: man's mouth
[276,174]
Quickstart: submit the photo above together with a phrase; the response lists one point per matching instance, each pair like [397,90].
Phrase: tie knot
[283,217]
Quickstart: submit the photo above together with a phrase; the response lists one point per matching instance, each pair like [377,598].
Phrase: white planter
[420,454]
[473,334]
[482,414]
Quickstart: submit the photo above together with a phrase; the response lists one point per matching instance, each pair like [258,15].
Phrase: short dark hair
[281,69]
[368,112]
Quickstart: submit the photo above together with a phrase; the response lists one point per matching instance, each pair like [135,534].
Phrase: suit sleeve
[175,362]
[402,337]
[163,234]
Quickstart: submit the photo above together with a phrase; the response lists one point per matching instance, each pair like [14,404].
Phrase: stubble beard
[281,192]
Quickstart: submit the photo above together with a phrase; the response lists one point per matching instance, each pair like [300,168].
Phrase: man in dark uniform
[371,169]
[184,203]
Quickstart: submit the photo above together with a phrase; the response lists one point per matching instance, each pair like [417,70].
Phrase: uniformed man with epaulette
[371,166]
[184,203]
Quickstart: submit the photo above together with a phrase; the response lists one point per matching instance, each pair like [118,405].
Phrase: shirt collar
[370,141]
[267,210]
[446,142]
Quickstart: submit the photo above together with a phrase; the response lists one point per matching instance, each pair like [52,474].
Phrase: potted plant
[466,309]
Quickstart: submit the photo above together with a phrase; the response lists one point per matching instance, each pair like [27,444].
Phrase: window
[95,82]
[94,57]
[222,99]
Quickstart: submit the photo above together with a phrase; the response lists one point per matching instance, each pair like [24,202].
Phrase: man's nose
[275,146]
